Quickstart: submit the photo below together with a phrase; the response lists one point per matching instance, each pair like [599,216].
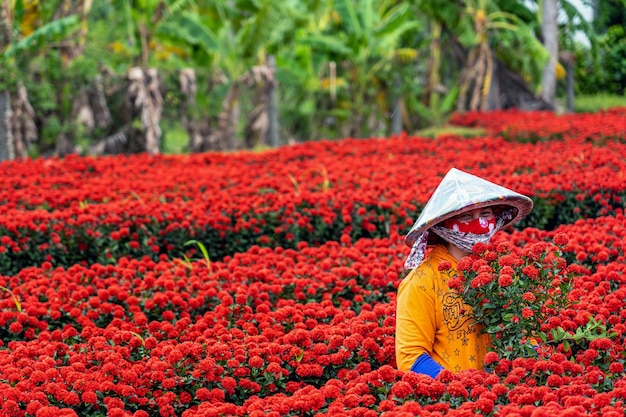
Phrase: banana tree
[234,45]
[364,40]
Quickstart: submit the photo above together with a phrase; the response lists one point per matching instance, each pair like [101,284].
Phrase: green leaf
[566,346]
[203,249]
[347,11]
[394,19]
[325,43]
[61,28]
[194,32]
[449,101]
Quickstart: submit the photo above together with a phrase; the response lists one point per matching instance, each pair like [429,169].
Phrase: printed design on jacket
[455,315]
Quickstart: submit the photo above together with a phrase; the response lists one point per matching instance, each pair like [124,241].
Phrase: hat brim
[459,192]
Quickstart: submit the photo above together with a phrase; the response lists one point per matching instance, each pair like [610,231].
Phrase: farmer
[434,328]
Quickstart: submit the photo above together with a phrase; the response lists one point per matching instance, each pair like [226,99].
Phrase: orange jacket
[431,318]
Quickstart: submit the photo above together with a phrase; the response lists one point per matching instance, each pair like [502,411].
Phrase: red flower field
[106,308]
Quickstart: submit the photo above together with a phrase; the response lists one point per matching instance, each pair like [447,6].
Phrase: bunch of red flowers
[511,293]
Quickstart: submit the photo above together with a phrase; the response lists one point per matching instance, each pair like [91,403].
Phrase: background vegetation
[117,76]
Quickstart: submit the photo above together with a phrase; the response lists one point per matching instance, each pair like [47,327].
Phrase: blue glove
[424,364]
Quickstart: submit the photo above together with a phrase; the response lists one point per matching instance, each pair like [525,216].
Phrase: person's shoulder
[427,271]
[436,256]
[419,276]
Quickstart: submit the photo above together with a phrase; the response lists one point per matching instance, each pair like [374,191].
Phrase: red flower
[256,362]
[455,283]
[616,368]
[479,248]
[504,280]
[481,280]
[464,264]
[601,343]
[530,271]
[554,381]
[387,373]
[15,327]
[499,389]
[491,357]
[485,405]
[229,384]
[401,390]
[203,394]
[561,239]
[457,389]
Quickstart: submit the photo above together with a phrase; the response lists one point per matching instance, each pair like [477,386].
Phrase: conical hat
[460,191]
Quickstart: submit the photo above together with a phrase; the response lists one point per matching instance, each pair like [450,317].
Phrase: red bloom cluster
[542,126]
[102,209]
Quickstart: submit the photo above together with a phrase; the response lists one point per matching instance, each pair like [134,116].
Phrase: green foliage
[598,102]
[605,72]
[52,31]
[438,115]
[435,132]
[378,48]
[616,59]
[610,13]
[578,340]
[530,63]
[174,140]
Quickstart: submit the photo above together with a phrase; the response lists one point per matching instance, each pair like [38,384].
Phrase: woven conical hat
[460,191]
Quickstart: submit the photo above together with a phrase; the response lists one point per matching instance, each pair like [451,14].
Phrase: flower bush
[101,314]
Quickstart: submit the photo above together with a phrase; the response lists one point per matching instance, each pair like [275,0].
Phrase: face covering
[479,226]
[467,240]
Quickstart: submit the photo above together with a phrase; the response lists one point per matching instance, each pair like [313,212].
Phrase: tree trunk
[396,114]
[549,30]
[81,110]
[273,130]
[6,138]
[202,137]
[70,49]
[151,113]
[568,58]
[261,79]
[6,23]
[229,117]
[189,89]
[570,87]
[23,128]
[143,95]
[435,63]
[99,105]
